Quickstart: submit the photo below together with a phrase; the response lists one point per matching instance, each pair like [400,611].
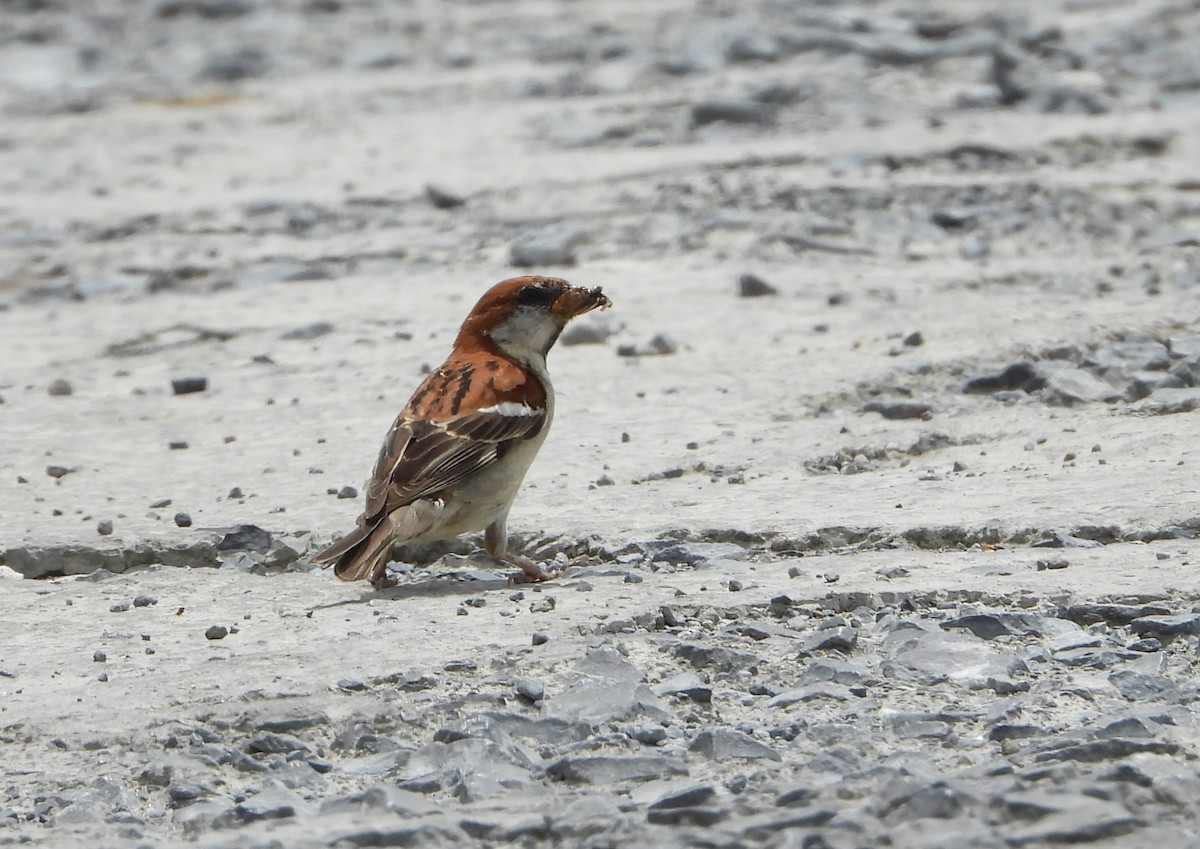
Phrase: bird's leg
[382,580]
[495,542]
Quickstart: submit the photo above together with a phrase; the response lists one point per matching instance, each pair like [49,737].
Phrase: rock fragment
[753,286]
[189,383]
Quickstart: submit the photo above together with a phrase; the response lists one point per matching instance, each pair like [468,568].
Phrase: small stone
[57,471]
[1075,385]
[540,639]
[607,769]
[188,384]
[1146,644]
[442,198]
[144,601]
[585,333]
[236,492]
[183,520]
[549,246]
[899,409]
[184,792]
[843,638]
[605,480]
[723,744]
[306,332]
[105,527]
[914,340]
[687,796]
[178,444]
[686,684]
[735,586]
[99,657]
[753,286]
[347,492]
[60,387]
[245,538]
[1178,624]
[1052,563]
[119,607]
[648,735]
[240,64]
[659,345]
[216,632]
[731,112]
[1020,375]
[534,691]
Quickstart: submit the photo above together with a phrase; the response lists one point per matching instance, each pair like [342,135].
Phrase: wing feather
[422,458]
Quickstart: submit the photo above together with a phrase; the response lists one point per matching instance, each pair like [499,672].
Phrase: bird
[453,460]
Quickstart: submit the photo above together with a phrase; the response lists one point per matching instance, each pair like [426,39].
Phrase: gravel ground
[873,494]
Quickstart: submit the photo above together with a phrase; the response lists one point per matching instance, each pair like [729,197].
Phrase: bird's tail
[362,553]
[366,551]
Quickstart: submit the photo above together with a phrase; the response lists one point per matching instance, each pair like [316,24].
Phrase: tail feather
[366,551]
[341,546]
[369,556]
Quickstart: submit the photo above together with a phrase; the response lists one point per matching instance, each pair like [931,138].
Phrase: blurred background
[306,139]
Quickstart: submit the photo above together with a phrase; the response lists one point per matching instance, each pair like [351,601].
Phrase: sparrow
[456,455]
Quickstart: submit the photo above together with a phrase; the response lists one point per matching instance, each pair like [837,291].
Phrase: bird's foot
[531,573]
[384,580]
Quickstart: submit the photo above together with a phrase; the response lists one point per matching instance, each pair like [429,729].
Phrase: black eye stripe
[536,296]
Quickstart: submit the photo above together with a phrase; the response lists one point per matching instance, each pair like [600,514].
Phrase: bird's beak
[576,301]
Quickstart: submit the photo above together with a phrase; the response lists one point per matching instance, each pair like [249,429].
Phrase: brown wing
[434,445]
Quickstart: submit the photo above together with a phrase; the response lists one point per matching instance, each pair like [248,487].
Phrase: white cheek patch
[510,408]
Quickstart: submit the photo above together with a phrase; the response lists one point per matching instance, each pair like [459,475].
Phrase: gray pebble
[1159,626]
[534,691]
[57,471]
[586,333]
[722,744]
[186,384]
[347,492]
[178,444]
[732,112]
[443,198]
[184,793]
[216,632]
[1021,375]
[183,520]
[899,409]
[648,735]
[99,657]
[549,246]
[842,638]
[59,387]
[144,601]
[243,64]
[753,286]
[306,332]
[105,527]
[540,639]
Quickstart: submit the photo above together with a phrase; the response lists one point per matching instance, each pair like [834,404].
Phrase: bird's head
[524,316]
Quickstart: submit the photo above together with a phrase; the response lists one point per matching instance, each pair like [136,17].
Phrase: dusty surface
[899,550]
